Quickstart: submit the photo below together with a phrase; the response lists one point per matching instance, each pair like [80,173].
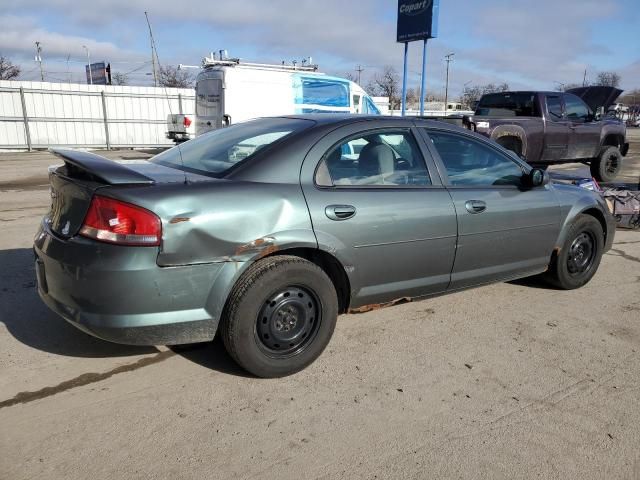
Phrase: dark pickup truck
[547,128]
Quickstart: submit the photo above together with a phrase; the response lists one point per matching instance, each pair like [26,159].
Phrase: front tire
[280,316]
[607,166]
[577,261]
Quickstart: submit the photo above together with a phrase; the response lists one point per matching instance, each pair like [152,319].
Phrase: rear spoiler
[104,169]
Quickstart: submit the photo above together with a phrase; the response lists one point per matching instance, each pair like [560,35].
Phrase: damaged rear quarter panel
[224,220]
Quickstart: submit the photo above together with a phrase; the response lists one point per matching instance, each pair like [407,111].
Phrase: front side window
[575,108]
[554,107]
[381,158]
[214,153]
[470,163]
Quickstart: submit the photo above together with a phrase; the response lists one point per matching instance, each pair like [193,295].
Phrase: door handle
[340,212]
[475,206]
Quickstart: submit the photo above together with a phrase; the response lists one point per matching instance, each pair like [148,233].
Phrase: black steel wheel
[279,316]
[581,254]
[288,321]
[579,257]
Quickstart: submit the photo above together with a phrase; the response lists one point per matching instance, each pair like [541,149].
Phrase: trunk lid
[83,173]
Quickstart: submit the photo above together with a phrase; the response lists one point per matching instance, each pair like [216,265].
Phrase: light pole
[89,64]
[448,59]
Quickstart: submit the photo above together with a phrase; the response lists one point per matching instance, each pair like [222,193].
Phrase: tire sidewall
[583,224]
[599,170]
[299,273]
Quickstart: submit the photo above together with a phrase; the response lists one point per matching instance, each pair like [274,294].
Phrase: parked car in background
[547,128]
[267,230]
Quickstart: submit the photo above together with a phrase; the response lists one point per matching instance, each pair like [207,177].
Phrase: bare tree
[350,76]
[472,94]
[8,70]
[173,77]
[413,97]
[387,84]
[119,78]
[632,97]
[608,79]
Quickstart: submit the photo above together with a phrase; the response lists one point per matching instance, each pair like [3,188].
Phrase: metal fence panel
[43,114]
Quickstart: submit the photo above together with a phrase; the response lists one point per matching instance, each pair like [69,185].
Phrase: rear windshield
[508,104]
[216,152]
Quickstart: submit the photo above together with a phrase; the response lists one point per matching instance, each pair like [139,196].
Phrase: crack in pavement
[625,255]
[85,379]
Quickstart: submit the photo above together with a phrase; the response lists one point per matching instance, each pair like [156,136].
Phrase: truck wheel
[578,259]
[606,167]
[279,316]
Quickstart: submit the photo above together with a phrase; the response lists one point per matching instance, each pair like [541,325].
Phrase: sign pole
[424,68]
[404,78]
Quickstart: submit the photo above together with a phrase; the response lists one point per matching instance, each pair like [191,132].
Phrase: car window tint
[554,106]
[468,162]
[374,159]
[575,108]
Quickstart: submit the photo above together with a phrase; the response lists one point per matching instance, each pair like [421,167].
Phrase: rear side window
[554,106]
[470,163]
[216,152]
[381,158]
[508,104]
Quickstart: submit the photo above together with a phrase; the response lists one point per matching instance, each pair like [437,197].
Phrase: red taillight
[186,122]
[113,221]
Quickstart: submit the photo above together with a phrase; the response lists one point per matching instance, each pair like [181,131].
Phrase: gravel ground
[512,380]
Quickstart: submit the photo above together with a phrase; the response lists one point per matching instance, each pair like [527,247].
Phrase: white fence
[37,115]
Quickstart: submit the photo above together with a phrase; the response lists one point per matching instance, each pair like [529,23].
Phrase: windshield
[508,104]
[214,153]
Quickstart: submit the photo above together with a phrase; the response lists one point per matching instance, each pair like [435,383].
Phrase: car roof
[327,119]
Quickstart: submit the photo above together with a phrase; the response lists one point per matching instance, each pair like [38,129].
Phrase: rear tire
[607,166]
[577,261]
[279,316]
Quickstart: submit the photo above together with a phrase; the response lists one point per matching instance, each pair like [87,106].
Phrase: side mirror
[536,178]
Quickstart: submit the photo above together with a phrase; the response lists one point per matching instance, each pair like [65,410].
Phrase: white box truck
[230,91]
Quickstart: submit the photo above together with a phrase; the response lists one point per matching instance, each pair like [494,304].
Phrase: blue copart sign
[417,19]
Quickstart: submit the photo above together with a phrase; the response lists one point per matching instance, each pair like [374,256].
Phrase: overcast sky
[526,43]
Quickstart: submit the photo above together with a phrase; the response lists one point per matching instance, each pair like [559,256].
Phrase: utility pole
[359,70]
[449,59]
[584,79]
[39,60]
[89,64]
[153,56]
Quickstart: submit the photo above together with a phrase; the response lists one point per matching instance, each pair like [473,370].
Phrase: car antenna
[155,59]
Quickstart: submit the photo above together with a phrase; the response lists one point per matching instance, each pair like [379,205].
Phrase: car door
[556,133]
[504,230]
[584,133]
[379,206]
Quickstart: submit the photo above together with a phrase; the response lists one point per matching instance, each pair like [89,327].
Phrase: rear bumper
[120,294]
